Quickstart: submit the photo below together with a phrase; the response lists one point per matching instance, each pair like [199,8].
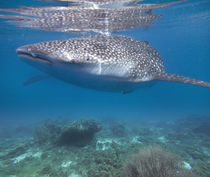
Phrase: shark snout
[29,54]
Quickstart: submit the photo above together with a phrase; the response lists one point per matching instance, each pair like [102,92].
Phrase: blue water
[181,36]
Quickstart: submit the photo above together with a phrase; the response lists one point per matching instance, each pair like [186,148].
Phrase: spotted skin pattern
[119,56]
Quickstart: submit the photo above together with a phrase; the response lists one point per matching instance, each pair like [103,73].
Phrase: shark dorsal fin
[181,79]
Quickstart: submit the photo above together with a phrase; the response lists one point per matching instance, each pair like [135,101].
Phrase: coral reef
[155,162]
[48,132]
[77,133]
[53,152]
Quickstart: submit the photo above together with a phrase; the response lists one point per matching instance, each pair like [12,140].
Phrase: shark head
[33,55]
[51,56]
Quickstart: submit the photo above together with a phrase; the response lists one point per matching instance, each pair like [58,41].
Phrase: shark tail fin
[181,79]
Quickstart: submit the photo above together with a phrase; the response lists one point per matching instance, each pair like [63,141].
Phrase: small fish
[109,63]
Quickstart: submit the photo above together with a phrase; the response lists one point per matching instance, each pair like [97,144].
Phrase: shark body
[109,63]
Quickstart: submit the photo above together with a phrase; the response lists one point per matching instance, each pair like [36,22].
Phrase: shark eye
[87,59]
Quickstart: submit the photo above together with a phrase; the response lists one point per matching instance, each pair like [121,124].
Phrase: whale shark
[112,63]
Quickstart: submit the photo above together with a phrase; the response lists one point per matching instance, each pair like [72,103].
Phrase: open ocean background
[173,116]
[182,38]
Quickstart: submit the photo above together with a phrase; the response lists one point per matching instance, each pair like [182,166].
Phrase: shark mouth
[35,56]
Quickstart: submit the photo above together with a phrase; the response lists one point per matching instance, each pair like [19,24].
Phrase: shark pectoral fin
[36,79]
[181,79]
